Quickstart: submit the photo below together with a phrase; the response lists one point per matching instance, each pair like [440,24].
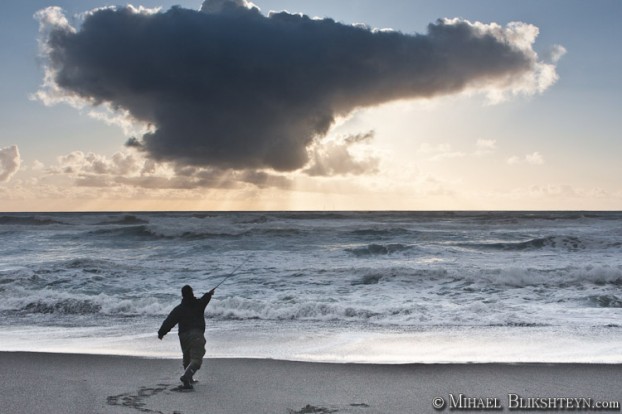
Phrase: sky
[310,105]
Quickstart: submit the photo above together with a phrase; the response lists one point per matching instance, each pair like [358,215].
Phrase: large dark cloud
[228,87]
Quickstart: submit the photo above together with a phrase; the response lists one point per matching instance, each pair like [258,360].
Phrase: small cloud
[554,54]
[426,148]
[131,169]
[439,152]
[486,143]
[534,158]
[78,162]
[513,160]
[489,144]
[448,156]
[337,157]
[37,166]
[10,161]
[485,146]
[554,190]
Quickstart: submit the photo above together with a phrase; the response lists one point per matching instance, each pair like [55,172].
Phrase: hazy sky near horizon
[228,109]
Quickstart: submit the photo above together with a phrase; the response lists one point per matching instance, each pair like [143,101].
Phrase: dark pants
[193,348]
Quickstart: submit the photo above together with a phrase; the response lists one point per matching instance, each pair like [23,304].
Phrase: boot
[186,379]
[192,380]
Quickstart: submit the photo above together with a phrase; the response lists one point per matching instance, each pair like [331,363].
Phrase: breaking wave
[605,301]
[378,249]
[27,220]
[84,305]
[148,232]
[64,306]
[380,232]
[132,232]
[125,220]
[569,243]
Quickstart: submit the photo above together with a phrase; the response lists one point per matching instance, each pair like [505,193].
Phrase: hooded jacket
[189,314]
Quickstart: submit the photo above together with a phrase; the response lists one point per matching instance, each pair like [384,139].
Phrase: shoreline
[86,383]
[302,361]
[318,343]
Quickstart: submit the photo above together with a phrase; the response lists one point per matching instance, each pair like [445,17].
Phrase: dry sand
[82,384]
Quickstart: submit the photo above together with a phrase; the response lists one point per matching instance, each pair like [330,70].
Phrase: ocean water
[390,287]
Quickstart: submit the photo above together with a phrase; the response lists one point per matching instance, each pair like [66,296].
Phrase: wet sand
[81,384]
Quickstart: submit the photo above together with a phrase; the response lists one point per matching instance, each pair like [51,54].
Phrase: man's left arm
[168,323]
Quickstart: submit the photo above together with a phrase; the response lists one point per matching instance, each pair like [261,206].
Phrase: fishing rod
[232,272]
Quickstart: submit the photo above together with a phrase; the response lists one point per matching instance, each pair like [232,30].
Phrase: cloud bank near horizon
[227,87]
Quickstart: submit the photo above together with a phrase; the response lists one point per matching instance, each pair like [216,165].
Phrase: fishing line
[233,271]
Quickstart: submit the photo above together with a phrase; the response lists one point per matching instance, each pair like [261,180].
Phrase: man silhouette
[190,316]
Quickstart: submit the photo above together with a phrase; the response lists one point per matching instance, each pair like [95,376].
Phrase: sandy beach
[70,383]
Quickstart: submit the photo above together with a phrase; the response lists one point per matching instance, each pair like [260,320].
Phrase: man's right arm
[207,297]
